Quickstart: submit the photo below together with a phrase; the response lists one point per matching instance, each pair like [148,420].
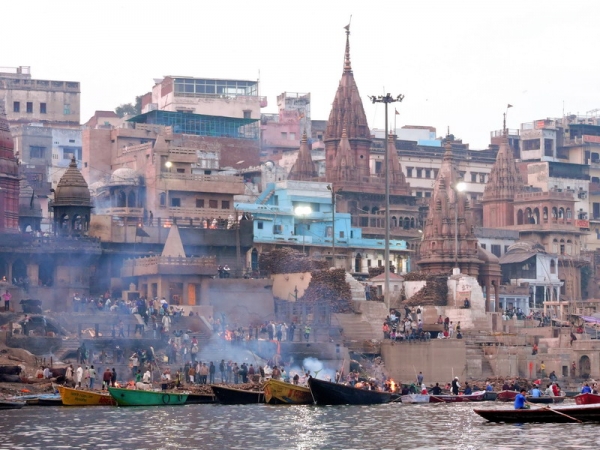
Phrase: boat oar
[563,414]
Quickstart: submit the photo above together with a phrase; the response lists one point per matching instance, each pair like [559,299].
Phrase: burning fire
[228,335]
[392,385]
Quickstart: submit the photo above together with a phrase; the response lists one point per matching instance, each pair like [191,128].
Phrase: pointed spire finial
[347,65]
[504,131]
[304,136]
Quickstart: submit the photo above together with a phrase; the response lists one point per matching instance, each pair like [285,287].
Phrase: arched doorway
[358,263]
[585,367]
[254,259]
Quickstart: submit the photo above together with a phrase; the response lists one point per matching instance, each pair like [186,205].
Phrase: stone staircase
[362,326]
[356,288]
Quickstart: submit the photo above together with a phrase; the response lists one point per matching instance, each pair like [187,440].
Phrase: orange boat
[77,397]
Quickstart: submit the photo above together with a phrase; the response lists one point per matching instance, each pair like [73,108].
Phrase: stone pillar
[496,295]
[204,289]
[33,272]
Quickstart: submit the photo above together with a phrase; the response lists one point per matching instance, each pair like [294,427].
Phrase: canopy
[590,319]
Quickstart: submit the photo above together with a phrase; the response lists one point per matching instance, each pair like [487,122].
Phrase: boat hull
[545,400]
[131,397]
[415,398]
[11,405]
[327,393]
[279,392]
[507,396]
[232,396]
[195,399]
[75,397]
[475,397]
[585,413]
[587,399]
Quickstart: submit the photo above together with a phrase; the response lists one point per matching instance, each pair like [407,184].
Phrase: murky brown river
[391,426]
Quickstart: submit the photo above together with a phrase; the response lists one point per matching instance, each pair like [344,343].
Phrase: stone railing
[137,148]
[203,178]
[150,261]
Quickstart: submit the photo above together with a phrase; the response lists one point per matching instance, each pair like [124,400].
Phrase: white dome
[124,175]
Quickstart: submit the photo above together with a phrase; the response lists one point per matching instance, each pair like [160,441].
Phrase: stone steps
[357,289]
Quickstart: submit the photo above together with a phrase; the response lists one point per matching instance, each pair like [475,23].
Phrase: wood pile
[329,286]
[288,260]
[435,292]
[374,271]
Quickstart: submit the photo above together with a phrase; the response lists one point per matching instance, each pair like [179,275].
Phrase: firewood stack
[329,286]
[287,260]
[435,292]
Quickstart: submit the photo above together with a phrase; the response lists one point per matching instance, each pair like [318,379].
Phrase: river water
[391,426]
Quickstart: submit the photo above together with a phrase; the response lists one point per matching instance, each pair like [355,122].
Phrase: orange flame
[392,385]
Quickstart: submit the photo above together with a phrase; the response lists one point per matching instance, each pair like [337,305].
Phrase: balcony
[197,214]
[121,211]
[164,265]
[222,184]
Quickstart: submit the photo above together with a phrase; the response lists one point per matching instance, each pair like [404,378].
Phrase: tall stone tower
[72,203]
[438,251]
[304,168]
[9,179]
[504,183]
[347,114]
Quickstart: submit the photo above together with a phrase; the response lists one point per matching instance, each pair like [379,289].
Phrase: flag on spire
[397,113]
[509,106]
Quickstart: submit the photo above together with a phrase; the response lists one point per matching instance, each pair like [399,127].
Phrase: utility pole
[386,100]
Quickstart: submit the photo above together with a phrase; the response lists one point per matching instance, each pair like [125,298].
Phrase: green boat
[132,397]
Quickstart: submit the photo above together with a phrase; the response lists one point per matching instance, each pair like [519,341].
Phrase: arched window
[562,246]
[520,217]
[545,214]
[569,248]
[569,213]
[121,199]
[162,198]
[554,212]
[412,222]
[552,266]
[406,223]
[529,216]
[561,213]
[536,215]
[131,200]
[394,223]
[555,245]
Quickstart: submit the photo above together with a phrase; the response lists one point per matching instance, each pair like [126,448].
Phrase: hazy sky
[458,63]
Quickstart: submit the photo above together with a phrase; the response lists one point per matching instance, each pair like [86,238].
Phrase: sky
[458,63]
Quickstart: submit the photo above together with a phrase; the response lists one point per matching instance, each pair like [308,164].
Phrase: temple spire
[347,65]
[304,168]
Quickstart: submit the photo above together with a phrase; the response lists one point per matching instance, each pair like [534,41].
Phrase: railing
[137,148]
[203,178]
[149,261]
[121,211]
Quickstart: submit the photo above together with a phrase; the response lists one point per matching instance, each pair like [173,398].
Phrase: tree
[130,109]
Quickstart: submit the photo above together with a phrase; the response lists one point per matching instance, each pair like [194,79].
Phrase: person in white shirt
[79,376]
[147,377]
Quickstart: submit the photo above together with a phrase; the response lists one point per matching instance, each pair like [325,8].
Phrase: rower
[535,392]
[520,400]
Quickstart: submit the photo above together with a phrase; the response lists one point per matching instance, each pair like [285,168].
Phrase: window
[548,147]
[180,170]
[16,106]
[496,250]
[224,204]
[531,144]
[435,173]
[427,194]
[213,204]
[427,173]
[29,107]
[596,208]
[199,203]
[283,135]
[419,173]
[163,199]
[292,136]
[37,152]
[378,168]
[482,177]
[247,114]
[67,109]
[43,111]
[277,229]
[409,172]
[368,263]
[259,225]
[419,194]
[342,234]
[175,202]
[505,248]
[473,177]
[483,246]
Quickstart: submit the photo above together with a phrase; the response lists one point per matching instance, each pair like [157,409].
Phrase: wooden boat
[77,397]
[506,396]
[562,414]
[8,404]
[43,400]
[545,400]
[328,393]
[194,399]
[587,399]
[415,398]
[279,392]
[478,396]
[490,396]
[233,396]
[132,397]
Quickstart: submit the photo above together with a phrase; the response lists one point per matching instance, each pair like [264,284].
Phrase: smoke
[316,368]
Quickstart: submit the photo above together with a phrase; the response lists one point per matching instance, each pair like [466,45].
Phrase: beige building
[29,100]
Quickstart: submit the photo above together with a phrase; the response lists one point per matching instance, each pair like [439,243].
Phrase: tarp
[590,319]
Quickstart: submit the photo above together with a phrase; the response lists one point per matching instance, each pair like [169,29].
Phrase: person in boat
[595,389]
[521,401]
[106,376]
[423,389]
[556,389]
[164,380]
[296,379]
[455,386]
[276,373]
[549,392]
[489,387]
[506,386]
[535,392]
[436,390]
[586,389]
[467,390]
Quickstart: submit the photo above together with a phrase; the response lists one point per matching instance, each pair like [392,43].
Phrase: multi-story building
[42,101]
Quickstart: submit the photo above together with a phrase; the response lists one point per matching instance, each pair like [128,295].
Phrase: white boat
[415,398]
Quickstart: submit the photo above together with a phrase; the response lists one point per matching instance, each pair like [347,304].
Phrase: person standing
[78,376]
[307,332]
[543,369]
[69,375]
[113,377]
[291,330]
[6,297]
[455,386]
[420,378]
[106,376]
[92,376]
[222,370]
[211,373]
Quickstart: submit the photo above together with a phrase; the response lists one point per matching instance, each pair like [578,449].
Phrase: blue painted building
[279,222]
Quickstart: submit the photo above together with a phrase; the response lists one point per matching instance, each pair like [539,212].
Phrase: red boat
[507,396]
[477,396]
[587,399]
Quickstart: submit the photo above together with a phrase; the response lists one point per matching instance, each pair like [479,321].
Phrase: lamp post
[386,100]
[302,211]
[333,197]
[459,186]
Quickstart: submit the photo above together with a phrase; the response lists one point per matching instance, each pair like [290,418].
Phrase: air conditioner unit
[582,194]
